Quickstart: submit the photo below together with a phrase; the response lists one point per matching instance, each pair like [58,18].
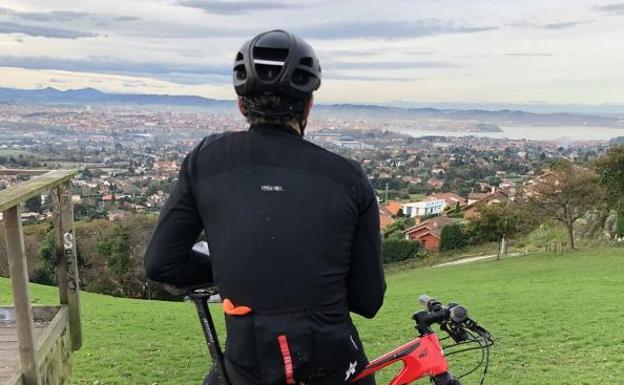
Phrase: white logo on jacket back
[269,188]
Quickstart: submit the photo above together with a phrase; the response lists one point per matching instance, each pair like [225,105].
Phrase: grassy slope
[556,319]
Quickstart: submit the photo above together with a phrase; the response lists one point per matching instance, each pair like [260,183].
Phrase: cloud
[59,16]
[563,25]
[611,9]
[176,72]
[552,26]
[236,7]
[372,51]
[386,29]
[65,16]
[338,76]
[182,31]
[395,65]
[528,54]
[42,31]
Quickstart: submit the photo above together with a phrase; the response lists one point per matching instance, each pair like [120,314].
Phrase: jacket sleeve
[366,283]
[169,258]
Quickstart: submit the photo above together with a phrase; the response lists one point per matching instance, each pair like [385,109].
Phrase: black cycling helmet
[277,62]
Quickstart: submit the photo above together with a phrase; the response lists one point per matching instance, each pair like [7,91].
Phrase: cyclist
[293,229]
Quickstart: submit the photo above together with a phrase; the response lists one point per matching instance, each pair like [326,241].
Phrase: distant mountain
[500,118]
[92,96]
[504,117]
[539,108]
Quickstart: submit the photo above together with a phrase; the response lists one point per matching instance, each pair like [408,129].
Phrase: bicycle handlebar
[453,319]
[437,313]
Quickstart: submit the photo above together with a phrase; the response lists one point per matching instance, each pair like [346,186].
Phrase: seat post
[210,333]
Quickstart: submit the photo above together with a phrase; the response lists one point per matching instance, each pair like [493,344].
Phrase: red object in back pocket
[288,366]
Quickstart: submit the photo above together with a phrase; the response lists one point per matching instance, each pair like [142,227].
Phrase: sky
[422,51]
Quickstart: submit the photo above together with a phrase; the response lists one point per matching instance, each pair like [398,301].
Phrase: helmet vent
[272,54]
[268,72]
[306,61]
[300,77]
[240,72]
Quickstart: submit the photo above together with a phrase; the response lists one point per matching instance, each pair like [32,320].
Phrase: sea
[564,134]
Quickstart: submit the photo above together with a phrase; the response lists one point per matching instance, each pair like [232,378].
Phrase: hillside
[554,317]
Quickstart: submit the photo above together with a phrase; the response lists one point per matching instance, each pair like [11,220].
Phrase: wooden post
[504,245]
[21,299]
[69,284]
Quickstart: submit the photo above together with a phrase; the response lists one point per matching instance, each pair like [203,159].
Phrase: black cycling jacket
[292,229]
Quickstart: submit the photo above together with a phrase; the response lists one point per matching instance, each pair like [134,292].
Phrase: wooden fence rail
[11,199]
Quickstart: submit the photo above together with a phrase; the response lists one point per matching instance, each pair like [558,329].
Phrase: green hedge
[453,238]
[395,250]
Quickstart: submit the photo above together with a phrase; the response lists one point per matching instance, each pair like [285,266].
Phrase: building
[436,183]
[385,217]
[450,198]
[165,166]
[424,208]
[474,197]
[394,207]
[428,232]
[472,210]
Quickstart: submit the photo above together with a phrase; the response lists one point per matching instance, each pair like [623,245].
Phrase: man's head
[275,75]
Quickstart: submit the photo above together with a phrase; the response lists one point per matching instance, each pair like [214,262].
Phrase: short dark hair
[273,109]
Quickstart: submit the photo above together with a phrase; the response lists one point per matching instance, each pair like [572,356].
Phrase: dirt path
[462,261]
[465,260]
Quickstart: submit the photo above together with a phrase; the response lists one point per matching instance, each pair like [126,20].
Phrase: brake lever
[473,326]
[455,331]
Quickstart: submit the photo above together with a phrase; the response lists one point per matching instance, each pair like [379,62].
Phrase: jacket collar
[274,128]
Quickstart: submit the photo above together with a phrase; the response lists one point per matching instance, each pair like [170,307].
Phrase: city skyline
[417,51]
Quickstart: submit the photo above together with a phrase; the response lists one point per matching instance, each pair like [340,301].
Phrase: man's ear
[308,108]
[303,122]
[241,107]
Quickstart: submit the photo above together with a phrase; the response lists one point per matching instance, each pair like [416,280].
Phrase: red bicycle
[423,357]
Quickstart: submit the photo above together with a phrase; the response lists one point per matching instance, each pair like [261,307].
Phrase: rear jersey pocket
[284,347]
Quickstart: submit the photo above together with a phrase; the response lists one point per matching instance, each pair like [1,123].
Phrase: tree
[34,205]
[568,196]
[620,226]
[501,220]
[118,253]
[452,237]
[610,169]
[47,270]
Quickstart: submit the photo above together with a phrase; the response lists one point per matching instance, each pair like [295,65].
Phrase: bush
[47,272]
[395,250]
[620,225]
[453,238]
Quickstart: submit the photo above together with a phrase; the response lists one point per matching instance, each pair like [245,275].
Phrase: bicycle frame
[421,357]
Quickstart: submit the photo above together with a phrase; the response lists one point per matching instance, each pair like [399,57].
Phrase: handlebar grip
[425,300]
[429,303]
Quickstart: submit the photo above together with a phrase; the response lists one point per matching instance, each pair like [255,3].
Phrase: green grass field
[557,319]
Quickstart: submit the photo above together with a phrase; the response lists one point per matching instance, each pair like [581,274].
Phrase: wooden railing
[58,182]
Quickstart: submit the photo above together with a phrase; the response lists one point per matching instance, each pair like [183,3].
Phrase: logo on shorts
[351,370]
